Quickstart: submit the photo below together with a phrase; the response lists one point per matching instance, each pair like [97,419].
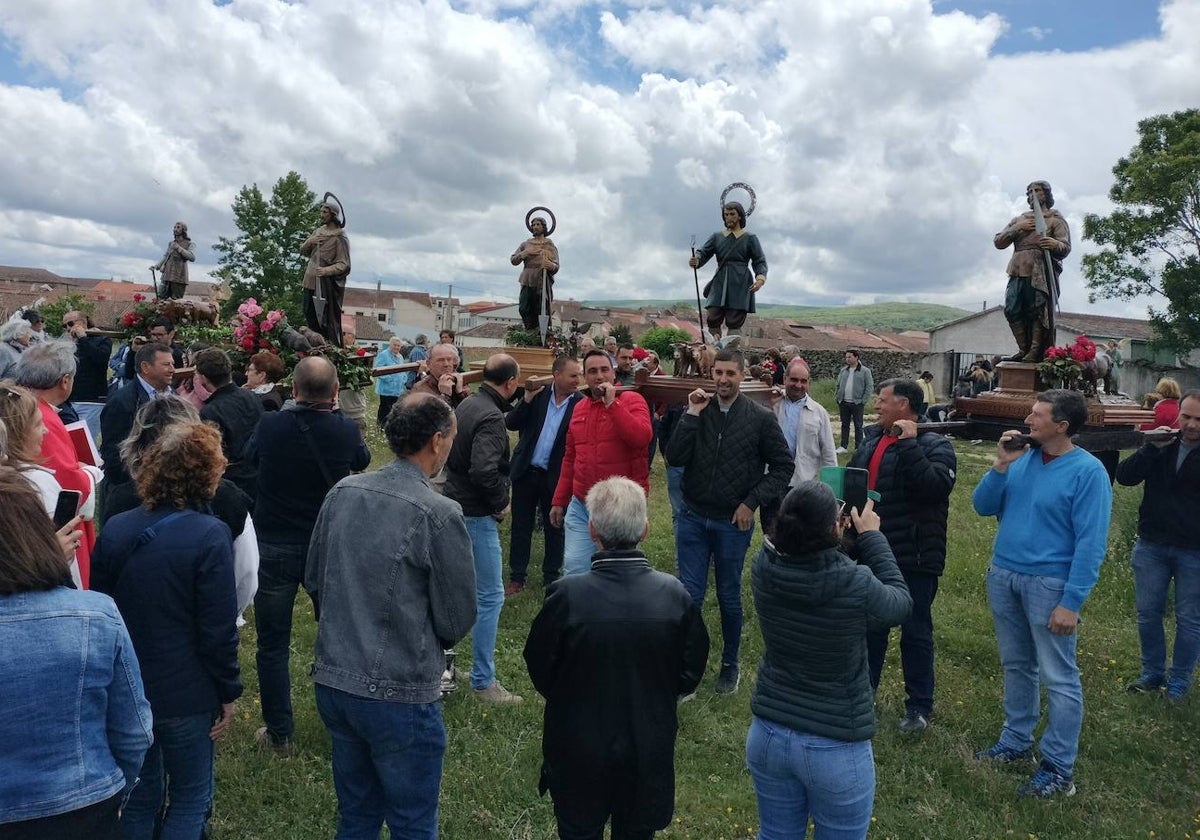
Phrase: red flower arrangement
[251,326]
[1064,365]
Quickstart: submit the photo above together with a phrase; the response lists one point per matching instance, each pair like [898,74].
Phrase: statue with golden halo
[729,296]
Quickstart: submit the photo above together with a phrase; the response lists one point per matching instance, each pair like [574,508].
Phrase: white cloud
[885,142]
[1037,33]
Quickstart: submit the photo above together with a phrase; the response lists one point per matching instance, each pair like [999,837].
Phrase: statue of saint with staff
[540,258]
[328,252]
[729,296]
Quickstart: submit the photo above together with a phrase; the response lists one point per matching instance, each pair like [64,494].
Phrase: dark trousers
[531,307]
[581,810]
[280,575]
[851,412]
[385,407]
[96,822]
[916,644]
[532,492]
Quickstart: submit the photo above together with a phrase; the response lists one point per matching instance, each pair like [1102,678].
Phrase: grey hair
[16,328]
[617,509]
[151,420]
[3,441]
[43,365]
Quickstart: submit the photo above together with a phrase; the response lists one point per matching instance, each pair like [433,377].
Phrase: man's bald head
[315,380]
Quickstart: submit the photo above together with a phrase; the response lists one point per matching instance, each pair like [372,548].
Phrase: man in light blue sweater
[1053,501]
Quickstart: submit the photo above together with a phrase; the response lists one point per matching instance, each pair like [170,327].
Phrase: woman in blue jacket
[169,567]
[76,723]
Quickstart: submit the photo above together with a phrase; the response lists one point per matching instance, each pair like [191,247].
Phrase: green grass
[1137,771]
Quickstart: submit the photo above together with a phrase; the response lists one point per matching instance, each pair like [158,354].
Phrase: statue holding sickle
[729,296]
[328,252]
[540,258]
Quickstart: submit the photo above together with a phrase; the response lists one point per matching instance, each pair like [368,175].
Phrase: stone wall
[884,364]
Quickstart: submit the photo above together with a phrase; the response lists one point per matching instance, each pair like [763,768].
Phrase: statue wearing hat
[328,252]
[173,265]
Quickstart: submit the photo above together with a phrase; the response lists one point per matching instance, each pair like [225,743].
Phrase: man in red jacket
[608,436]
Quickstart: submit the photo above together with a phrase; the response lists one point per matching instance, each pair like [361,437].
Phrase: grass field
[1137,770]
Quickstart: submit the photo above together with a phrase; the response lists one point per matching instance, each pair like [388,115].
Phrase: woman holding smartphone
[809,745]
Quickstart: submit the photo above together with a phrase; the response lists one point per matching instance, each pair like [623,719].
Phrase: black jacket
[723,455]
[815,611]
[915,480]
[116,419]
[91,368]
[236,413]
[612,651]
[528,419]
[291,484]
[1171,499]
[477,469]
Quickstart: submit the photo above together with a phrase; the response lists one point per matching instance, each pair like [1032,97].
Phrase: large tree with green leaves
[1151,242]
[264,261]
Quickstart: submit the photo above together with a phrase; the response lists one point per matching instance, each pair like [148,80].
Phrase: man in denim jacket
[392,597]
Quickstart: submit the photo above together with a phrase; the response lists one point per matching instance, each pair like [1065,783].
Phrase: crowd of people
[205,510]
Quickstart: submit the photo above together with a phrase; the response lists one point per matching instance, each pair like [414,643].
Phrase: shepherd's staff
[699,308]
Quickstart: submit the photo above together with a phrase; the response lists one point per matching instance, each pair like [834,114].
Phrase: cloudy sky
[887,140]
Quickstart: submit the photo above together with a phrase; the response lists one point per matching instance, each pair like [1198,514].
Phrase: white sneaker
[496,693]
[841,450]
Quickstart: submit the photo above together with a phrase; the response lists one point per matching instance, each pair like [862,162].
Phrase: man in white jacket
[807,430]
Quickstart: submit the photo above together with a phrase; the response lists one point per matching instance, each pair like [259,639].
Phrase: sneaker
[496,693]
[1004,755]
[729,679]
[686,698]
[1146,684]
[913,723]
[1177,692]
[514,587]
[267,741]
[841,450]
[1047,783]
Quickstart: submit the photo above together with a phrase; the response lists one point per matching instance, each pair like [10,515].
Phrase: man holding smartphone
[914,473]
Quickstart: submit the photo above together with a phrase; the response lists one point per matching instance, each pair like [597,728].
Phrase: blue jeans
[89,413]
[1154,566]
[797,775]
[675,490]
[489,597]
[178,769]
[1021,606]
[280,574]
[578,547]
[387,764]
[696,540]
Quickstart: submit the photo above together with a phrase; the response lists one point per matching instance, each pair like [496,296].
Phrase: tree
[1151,242]
[662,340]
[264,261]
[622,334]
[52,313]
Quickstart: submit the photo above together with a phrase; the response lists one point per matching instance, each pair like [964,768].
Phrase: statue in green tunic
[729,296]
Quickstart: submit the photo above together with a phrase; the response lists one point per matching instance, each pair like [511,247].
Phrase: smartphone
[66,507]
[1017,442]
[854,489]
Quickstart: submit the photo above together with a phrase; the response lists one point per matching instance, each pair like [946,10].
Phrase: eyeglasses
[68,324]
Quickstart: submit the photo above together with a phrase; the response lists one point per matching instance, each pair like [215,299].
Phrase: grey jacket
[864,385]
[390,562]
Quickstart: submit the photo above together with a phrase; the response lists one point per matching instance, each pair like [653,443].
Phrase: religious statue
[729,296]
[1041,240]
[540,257]
[328,252]
[173,265]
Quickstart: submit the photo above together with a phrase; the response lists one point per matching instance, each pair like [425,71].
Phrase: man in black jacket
[612,652]
[914,475]
[299,453]
[734,458]
[92,353]
[235,411]
[477,478]
[542,418]
[1165,550]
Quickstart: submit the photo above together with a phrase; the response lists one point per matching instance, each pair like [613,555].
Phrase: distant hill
[890,317]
